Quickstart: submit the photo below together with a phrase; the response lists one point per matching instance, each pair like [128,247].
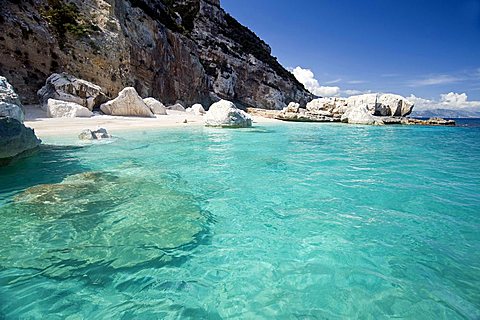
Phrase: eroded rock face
[15,139]
[188,50]
[155,106]
[10,105]
[65,87]
[382,104]
[128,103]
[62,109]
[225,114]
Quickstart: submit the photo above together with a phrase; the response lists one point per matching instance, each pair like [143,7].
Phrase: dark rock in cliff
[184,50]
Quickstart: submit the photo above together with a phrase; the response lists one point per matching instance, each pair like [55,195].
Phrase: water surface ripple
[293,221]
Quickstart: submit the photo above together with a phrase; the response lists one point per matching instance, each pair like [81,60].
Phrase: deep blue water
[291,221]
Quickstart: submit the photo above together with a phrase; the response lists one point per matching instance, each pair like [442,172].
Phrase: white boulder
[360,115]
[382,104]
[63,109]
[128,103]
[197,109]
[68,88]
[155,106]
[176,107]
[292,107]
[225,114]
[327,106]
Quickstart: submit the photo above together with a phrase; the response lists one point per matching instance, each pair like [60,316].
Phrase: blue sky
[427,48]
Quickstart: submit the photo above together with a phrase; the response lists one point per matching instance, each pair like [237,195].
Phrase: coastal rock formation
[10,105]
[155,106]
[128,103]
[382,104]
[62,109]
[16,140]
[98,134]
[185,50]
[429,122]
[363,109]
[225,114]
[176,107]
[197,109]
[360,115]
[65,87]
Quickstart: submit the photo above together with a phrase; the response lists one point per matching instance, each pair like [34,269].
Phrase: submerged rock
[225,114]
[65,87]
[63,109]
[155,106]
[197,109]
[98,134]
[104,221]
[10,105]
[128,103]
[16,140]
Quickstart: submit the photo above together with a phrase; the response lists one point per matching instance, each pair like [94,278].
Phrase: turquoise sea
[291,221]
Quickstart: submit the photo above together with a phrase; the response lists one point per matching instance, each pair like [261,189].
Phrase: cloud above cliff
[450,100]
[307,78]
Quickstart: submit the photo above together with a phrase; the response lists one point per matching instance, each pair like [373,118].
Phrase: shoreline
[47,127]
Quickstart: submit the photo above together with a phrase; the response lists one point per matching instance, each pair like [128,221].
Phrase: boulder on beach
[98,134]
[225,114]
[292,107]
[10,105]
[16,140]
[327,106]
[386,104]
[65,87]
[128,103]
[360,115]
[156,106]
[197,109]
[63,109]
[176,107]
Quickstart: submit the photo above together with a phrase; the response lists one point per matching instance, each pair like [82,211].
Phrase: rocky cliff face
[174,50]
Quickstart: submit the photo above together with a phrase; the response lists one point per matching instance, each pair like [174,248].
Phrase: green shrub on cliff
[65,17]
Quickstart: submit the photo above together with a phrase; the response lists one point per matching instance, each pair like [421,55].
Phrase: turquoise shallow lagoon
[291,221]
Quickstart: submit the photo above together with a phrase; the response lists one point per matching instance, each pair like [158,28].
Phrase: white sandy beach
[37,119]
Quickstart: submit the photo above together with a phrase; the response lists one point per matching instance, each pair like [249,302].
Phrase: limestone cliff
[174,50]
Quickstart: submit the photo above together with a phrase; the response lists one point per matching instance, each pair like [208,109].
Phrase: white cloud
[356,82]
[355,92]
[334,81]
[307,78]
[434,80]
[450,100]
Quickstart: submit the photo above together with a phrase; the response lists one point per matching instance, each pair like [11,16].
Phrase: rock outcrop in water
[225,114]
[363,109]
[185,50]
[16,140]
[97,134]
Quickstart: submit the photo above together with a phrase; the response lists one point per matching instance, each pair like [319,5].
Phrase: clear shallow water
[298,221]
